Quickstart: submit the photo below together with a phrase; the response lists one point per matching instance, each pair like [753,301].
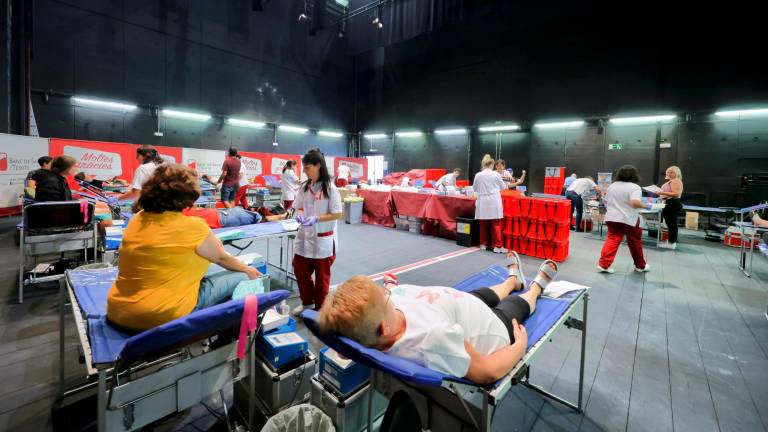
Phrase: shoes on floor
[500,250]
[668,245]
[605,270]
[643,270]
[483,247]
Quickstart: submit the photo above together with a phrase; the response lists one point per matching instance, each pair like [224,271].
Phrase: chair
[53,227]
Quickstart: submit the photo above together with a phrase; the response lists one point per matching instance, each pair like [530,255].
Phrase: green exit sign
[614,146]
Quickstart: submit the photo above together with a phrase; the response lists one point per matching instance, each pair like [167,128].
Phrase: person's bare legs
[509,285]
[535,290]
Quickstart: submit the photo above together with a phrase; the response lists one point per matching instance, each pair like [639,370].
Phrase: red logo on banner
[3,161]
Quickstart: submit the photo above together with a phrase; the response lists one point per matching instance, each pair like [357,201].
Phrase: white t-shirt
[617,204]
[319,240]
[582,185]
[343,172]
[290,185]
[142,174]
[446,180]
[244,180]
[438,321]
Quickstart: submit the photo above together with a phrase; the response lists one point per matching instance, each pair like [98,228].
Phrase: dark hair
[457,170]
[232,151]
[172,187]
[61,164]
[80,176]
[149,154]
[44,160]
[290,164]
[627,173]
[316,157]
[500,161]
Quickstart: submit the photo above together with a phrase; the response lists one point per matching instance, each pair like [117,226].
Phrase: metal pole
[583,350]
[62,334]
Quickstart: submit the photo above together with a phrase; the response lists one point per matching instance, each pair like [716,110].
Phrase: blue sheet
[548,311]
[109,344]
[256,230]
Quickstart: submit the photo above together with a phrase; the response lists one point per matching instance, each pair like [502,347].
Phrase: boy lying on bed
[475,335]
[230,217]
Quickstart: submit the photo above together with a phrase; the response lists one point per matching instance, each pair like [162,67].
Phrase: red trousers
[616,233]
[240,196]
[313,292]
[287,204]
[494,226]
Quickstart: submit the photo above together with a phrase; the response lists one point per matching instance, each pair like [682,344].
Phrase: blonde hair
[355,309]
[487,161]
[677,171]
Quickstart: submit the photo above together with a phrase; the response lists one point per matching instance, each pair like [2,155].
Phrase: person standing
[290,184]
[568,181]
[507,176]
[448,179]
[149,159]
[29,184]
[242,189]
[318,206]
[622,200]
[488,185]
[343,176]
[575,193]
[671,191]
[230,178]
[51,184]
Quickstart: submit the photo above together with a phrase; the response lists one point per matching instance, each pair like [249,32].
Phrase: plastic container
[563,211]
[414,224]
[401,223]
[561,251]
[467,232]
[353,211]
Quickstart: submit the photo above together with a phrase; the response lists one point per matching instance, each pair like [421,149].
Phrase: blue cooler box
[342,373]
[279,349]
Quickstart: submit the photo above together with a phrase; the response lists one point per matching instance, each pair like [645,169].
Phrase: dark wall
[216,57]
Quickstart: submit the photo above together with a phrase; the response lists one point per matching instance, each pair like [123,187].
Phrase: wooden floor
[681,348]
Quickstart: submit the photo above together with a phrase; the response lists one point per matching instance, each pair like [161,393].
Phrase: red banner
[101,159]
[357,166]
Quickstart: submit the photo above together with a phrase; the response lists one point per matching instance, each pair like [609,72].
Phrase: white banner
[102,164]
[204,161]
[18,156]
[251,166]
[278,164]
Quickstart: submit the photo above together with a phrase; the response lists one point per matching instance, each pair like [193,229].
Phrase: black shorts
[507,309]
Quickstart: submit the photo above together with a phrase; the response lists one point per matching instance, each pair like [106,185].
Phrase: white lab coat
[314,202]
[446,180]
[488,186]
[289,183]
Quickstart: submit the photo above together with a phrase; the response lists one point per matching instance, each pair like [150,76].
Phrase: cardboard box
[692,220]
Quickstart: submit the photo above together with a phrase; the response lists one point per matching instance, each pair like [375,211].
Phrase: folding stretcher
[452,403]
[728,213]
[142,377]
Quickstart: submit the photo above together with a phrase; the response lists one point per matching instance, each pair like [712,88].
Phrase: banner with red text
[18,156]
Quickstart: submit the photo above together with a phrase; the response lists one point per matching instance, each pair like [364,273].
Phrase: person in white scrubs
[318,206]
[448,179]
[149,160]
[507,176]
[343,176]
[488,185]
[290,184]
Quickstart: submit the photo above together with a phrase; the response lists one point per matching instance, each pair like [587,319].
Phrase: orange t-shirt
[209,215]
[160,270]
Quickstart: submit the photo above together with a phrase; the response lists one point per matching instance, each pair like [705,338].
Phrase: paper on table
[290,225]
[653,189]
[557,288]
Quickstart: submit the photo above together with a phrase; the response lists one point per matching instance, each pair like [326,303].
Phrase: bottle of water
[282,308]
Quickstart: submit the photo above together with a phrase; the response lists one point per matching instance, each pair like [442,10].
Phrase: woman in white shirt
[318,207]
[448,179]
[343,176]
[622,200]
[290,184]
[149,160]
[507,176]
[488,185]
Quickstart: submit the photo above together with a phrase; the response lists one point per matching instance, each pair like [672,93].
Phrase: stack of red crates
[537,227]
[553,185]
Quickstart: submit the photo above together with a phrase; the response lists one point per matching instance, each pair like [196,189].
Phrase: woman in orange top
[164,257]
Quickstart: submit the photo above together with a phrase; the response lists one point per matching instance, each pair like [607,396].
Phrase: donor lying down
[476,335]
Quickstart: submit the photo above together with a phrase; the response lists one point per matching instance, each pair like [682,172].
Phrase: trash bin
[467,232]
[300,418]
[353,210]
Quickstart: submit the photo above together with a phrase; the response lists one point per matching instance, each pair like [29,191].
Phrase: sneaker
[503,250]
[605,270]
[643,270]
[496,250]
[483,247]
[300,308]
[673,246]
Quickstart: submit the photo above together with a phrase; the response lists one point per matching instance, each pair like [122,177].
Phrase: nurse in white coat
[318,207]
[290,184]
[488,185]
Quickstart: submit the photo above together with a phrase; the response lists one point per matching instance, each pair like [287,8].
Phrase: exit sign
[614,146]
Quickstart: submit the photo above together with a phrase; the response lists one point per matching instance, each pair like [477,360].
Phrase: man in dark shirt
[230,175]
[29,184]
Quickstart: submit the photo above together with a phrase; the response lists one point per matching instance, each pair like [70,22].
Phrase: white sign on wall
[252,167]
[102,164]
[357,169]
[18,156]
[278,164]
[204,161]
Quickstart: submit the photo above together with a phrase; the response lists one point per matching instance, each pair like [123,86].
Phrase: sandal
[514,259]
[547,270]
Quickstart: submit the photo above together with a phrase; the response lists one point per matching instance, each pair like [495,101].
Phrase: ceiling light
[104,104]
[451,131]
[498,128]
[409,134]
[296,129]
[559,125]
[375,135]
[245,123]
[739,113]
[185,115]
[330,134]
[645,119]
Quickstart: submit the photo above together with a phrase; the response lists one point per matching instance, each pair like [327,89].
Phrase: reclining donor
[476,335]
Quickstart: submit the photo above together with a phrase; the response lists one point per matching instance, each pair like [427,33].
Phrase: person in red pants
[622,200]
[241,197]
[488,185]
[290,184]
[318,207]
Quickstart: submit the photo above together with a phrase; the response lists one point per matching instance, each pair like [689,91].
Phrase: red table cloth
[377,208]
[441,213]
[410,203]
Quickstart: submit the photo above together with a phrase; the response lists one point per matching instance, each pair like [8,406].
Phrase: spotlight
[304,18]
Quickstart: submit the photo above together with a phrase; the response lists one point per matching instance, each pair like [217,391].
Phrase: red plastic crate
[433,174]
